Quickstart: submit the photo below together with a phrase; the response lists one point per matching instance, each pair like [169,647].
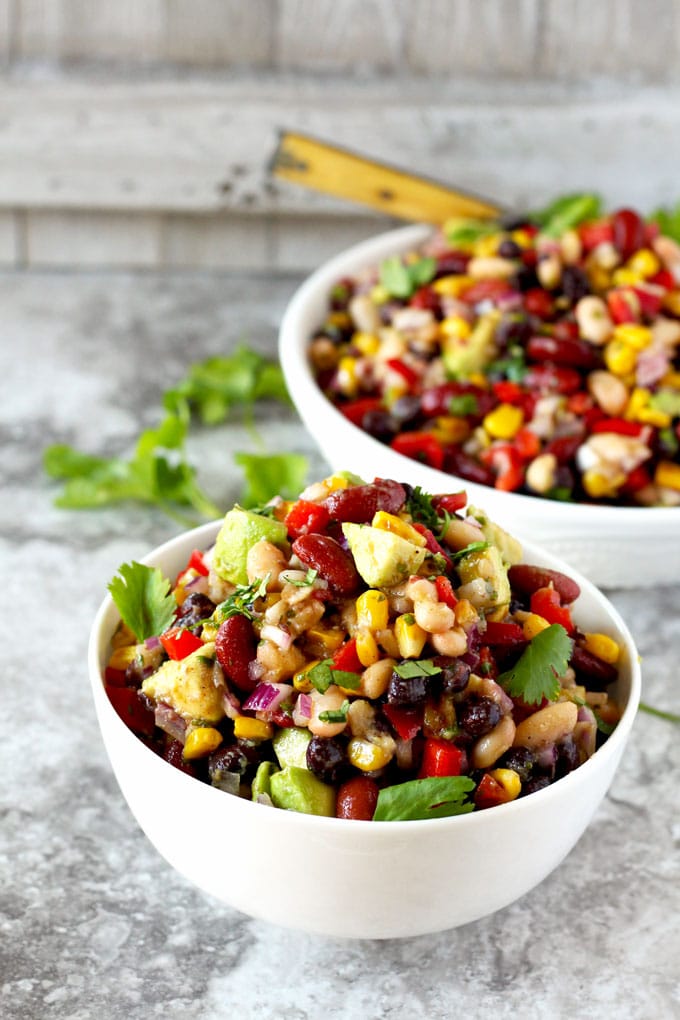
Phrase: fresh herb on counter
[659,713]
[143,598]
[271,474]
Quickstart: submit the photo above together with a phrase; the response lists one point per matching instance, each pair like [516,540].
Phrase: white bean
[491,746]
[549,271]
[434,617]
[593,318]
[452,642]
[609,392]
[421,590]
[331,701]
[279,665]
[460,534]
[541,473]
[375,678]
[546,726]
[485,267]
[364,314]
[265,558]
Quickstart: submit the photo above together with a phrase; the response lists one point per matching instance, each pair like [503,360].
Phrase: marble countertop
[94,923]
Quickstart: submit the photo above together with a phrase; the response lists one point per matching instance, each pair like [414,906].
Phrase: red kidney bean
[596,673]
[528,579]
[358,504]
[629,232]
[357,799]
[235,648]
[437,400]
[458,463]
[452,262]
[563,352]
[553,379]
[325,555]
[564,447]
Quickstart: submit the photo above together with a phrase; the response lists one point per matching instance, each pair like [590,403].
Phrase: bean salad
[367,651]
[534,358]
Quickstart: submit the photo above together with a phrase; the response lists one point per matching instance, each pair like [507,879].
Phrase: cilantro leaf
[536,673]
[401,279]
[271,474]
[437,797]
[307,581]
[240,602]
[463,404]
[335,714]
[323,675]
[143,598]
[473,547]
[416,667]
[567,212]
[461,230]
[666,400]
[421,508]
[669,221]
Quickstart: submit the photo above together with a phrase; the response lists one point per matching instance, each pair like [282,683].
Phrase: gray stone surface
[93,922]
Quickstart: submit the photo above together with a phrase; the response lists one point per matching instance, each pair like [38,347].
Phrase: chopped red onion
[199,584]
[231,705]
[302,712]
[170,722]
[255,671]
[229,782]
[277,635]
[152,642]
[267,697]
[546,756]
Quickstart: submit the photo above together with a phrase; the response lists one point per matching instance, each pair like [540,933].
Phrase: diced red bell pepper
[664,279]
[346,658]
[489,793]
[197,563]
[452,502]
[487,665]
[507,391]
[355,410]
[596,232]
[506,634]
[538,302]
[408,374]
[427,299]
[422,446]
[546,602]
[619,425]
[114,677]
[441,758]
[507,463]
[485,290]
[638,479]
[407,722]
[579,403]
[431,543]
[650,299]
[591,416]
[132,709]
[445,592]
[624,305]
[553,379]
[180,642]
[306,518]
[527,443]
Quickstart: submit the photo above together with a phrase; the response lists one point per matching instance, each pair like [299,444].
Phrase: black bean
[380,424]
[513,329]
[478,715]
[454,675]
[567,758]
[520,760]
[406,690]
[405,409]
[534,784]
[226,759]
[575,283]
[327,759]
[509,249]
[196,607]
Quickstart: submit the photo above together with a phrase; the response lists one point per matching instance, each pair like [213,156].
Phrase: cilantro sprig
[241,600]
[270,474]
[410,668]
[536,674]
[472,547]
[437,797]
[143,598]
[323,675]
[401,279]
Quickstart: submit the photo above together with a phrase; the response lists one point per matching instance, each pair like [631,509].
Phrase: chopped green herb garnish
[513,367]
[240,602]
[323,675]
[669,440]
[307,581]
[473,547]
[536,674]
[416,667]
[143,598]
[335,714]
[567,212]
[561,493]
[401,279]
[438,797]
[462,230]
[463,404]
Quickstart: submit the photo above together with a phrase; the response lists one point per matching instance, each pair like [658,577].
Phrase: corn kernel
[410,637]
[667,475]
[367,757]
[644,262]
[388,522]
[603,647]
[323,641]
[301,681]
[339,319]
[450,429]
[248,728]
[625,277]
[478,379]
[599,278]
[123,636]
[367,648]
[504,422]
[347,376]
[620,358]
[201,741]
[123,656]
[455,325]
[637,337]
[671,379]
[638,401]
[533,625]
[367,343]
[451,286]
[652,416]
[509,780]
[373,609]
[601,486]
[465,613]
[488,245]
[379,295]
[335,482]
[521,237]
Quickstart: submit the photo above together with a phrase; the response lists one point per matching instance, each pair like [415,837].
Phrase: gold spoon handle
[344,174]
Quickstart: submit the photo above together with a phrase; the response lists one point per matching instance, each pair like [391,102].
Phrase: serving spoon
[345,174]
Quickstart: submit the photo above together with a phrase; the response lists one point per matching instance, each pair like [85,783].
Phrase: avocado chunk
[510,549]
[297,789]
[488,565]
[463,355]
[188,686]
[290,746]
[262,780]
[382,558]
[242,529]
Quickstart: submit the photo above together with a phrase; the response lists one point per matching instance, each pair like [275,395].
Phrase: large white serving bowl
[614,546]
[349,878]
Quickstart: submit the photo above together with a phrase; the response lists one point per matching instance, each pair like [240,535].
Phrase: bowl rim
[107,616]
[310,401]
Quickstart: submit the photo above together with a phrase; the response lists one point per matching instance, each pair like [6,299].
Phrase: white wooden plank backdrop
[138,133]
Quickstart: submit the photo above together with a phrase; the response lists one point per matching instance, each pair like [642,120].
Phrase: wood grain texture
[66,30]
[60,238]
[221,240]
[220,33]
[350,35]
[10,253]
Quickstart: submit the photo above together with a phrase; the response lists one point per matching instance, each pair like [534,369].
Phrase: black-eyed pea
[491,746]
[547,726]
[331,700]
[375,678]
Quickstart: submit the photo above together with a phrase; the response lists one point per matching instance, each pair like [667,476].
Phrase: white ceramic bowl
[614,546]
[349,878]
